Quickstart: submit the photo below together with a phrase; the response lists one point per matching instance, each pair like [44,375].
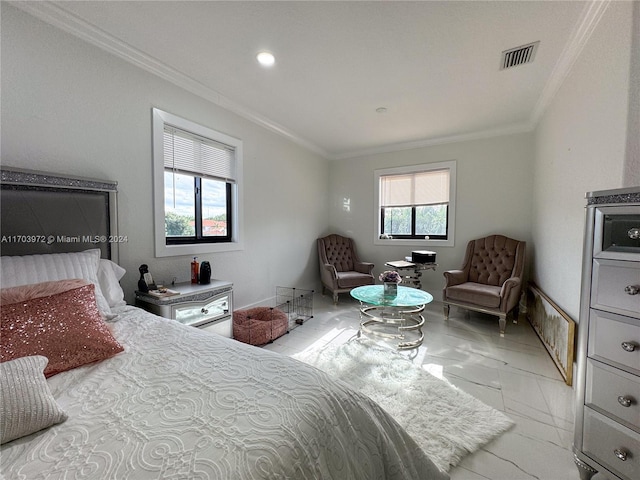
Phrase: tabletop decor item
[390,279]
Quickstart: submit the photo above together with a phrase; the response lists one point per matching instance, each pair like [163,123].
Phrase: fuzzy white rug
[445,421]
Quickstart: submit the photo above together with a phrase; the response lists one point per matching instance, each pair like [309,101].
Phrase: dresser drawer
[616,287]
[605,440]
[613,392]
[614,339]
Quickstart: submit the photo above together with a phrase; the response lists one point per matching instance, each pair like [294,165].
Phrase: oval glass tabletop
[406,297]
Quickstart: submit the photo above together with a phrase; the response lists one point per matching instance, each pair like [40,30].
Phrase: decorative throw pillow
[27,403]
[37,290]
[66,328]
[29,269]
[109,275]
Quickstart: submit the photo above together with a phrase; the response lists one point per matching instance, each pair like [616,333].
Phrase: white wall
[493,196]
[632,160]
[579,147]
[69,107]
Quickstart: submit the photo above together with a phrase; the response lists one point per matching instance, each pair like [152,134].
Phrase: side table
[208,306]
[392,317]
[411,272]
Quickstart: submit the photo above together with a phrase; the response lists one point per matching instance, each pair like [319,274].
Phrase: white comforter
[181,403]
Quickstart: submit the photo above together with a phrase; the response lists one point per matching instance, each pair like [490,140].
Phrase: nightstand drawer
[614,339]
[616,287]
[612,445]
[613,392]
[201,312]
[222,327]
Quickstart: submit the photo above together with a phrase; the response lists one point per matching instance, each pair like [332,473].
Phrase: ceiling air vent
[519,55]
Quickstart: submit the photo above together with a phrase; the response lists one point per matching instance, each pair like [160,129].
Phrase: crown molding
[590,18]
[59,17]
[465,137]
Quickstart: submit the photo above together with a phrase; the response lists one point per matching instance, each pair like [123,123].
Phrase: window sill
[413,242]
[196,249]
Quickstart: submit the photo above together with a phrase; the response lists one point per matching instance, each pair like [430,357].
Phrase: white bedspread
[181,403]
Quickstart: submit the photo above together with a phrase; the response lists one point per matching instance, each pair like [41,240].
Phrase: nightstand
[209,307]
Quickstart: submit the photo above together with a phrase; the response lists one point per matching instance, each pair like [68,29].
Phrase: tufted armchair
[490,279]
[340,268]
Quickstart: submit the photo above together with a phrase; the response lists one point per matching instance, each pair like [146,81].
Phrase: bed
[94,388]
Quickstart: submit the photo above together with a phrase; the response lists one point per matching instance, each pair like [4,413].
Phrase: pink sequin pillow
[66,328]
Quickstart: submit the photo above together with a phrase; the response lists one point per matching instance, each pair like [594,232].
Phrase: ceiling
[434,66]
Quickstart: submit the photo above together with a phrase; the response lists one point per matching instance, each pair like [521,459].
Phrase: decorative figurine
[142,283]
[205,273]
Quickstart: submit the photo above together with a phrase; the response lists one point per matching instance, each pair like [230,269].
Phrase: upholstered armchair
[340,268]
[490,279]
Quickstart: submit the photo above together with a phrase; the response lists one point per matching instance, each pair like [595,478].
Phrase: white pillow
[28,269]
[27,403]
[109,275]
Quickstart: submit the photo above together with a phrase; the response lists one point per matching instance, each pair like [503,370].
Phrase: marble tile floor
[513,374]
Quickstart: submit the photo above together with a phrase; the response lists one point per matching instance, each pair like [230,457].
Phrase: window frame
[432,242]
[185,246]
[199,235]
[413,235]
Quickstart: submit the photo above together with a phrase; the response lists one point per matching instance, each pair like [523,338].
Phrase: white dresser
[607,425]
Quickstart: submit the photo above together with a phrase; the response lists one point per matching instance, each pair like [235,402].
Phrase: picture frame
[555,329]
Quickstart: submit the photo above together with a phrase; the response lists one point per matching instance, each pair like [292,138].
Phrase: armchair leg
[335,298]
[446,311]
[502,320]
[516,314]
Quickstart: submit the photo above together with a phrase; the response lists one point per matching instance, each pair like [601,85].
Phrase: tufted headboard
[51,213]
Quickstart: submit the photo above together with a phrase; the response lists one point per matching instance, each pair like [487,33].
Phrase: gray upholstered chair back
[494,259]
[338,251]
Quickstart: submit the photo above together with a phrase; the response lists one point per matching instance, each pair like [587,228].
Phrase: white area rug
[445,421]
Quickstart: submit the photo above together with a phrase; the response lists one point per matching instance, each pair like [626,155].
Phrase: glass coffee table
[398,317]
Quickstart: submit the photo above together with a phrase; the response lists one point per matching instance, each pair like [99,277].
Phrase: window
[416,205]
[196,179]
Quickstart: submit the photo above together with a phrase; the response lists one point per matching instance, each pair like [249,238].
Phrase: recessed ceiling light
[381,110]
[266,59]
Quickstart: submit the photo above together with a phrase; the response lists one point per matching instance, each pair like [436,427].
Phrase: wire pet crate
[297,303]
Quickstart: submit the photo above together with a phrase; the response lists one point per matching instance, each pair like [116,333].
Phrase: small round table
[402,313]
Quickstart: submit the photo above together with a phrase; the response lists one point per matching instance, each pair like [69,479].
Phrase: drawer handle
[621,454]
[634,233]
[204,310]
[628,346]
[624,401]
[631,290]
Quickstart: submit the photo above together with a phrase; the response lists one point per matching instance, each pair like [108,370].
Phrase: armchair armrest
[331,269]
[454,277]
[329,275]
[363,267]
[510,284]
[510,293]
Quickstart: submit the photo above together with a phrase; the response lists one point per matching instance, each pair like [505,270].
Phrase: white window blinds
[419,188]
[185,152]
